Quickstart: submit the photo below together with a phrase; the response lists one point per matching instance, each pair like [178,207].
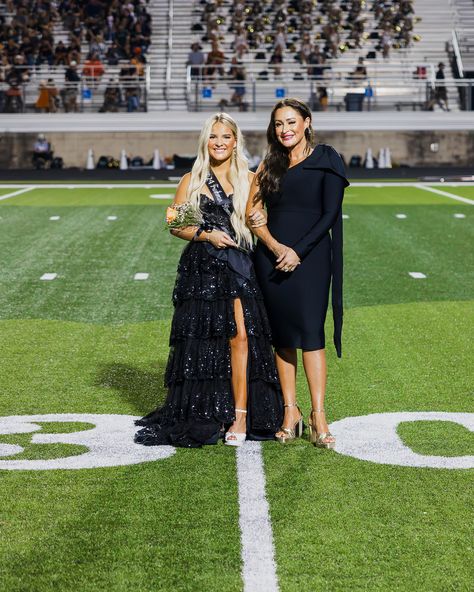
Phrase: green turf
[96,341]
[393,196]
[77,197]
[439,438]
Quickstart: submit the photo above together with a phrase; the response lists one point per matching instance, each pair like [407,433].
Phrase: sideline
[258,554]
[104,185]
[24,190]
[428,185]
[445,194]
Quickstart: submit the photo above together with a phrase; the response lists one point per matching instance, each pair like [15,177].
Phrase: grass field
[94,341]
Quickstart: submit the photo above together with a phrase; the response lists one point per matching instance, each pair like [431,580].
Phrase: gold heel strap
[291,405]
[241,410]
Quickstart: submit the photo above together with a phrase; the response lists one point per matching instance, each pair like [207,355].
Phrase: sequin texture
[198,373]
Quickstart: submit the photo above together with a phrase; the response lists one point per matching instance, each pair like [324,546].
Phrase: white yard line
[173,185]
[445,194]
[258,561]
[19,192]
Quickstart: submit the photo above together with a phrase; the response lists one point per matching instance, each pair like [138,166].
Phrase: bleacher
[123,83]
[402,80]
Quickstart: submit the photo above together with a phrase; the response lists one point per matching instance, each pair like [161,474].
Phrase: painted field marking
[387,448]
[459,215]
[161,196]
[141,276]
[111,217]
[258,554]
[109,442]
[417,275]
[445,194]
[345,216]
[55,217]
[172,185]
[400,216]
[19,192]
[49,276]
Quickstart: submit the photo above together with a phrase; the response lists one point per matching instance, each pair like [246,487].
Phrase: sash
[218,193]
[236,258]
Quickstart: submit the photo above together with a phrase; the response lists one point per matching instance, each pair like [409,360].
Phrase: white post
[156,160]
[369,159]
[90,160]
[381,163]
[123,161]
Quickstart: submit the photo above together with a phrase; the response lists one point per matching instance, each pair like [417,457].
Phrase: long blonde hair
[238,175]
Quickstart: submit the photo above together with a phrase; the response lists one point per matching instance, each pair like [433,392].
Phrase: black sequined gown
[198,374]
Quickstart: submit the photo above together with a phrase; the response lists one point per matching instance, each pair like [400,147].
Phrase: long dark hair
[277,159]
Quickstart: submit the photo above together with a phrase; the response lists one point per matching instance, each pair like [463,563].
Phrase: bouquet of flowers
[181,216]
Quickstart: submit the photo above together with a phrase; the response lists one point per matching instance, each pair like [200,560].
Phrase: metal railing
[383,88]
[46,89]
[167,87]
[457,53]
[380,87]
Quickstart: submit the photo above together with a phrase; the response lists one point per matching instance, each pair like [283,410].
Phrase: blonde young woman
[221,376]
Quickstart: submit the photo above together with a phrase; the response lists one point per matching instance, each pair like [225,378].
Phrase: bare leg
[286,362]
[314,363]
[238,362]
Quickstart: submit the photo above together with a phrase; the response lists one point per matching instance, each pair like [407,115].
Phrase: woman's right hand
[219,239]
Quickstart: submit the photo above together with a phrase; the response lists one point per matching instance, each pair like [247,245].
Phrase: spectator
[71,89]
[240,42]
[129,81]
[60,54]
[195,60]
[112,97]
[42,152]
[276,61]
[360,72]
[214,62]
[139,61]
[441,95]
[237,72]
[93,70]
[47,97]
[280,38]
[98,47]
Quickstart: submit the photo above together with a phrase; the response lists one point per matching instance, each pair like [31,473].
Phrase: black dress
[198,374]
[306,215]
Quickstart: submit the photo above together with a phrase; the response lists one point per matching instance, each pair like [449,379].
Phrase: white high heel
[235,438]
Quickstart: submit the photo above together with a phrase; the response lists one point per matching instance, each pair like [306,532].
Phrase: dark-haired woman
[298,255]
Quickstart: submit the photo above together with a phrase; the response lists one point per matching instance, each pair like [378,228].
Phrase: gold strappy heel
[319,439]
[291,433]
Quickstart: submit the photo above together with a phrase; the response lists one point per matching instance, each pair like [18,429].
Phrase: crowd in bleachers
[310,35]
[96,36]
[309,31]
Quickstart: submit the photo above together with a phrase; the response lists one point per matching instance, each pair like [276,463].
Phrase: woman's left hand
[289,261]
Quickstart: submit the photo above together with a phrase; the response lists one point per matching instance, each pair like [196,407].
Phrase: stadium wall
[412,148]
[414,138]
